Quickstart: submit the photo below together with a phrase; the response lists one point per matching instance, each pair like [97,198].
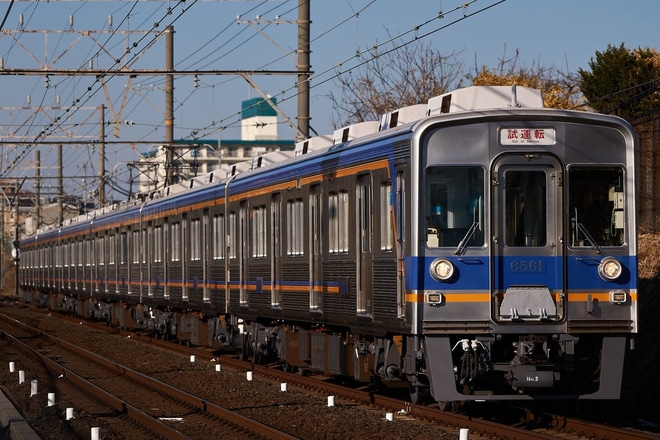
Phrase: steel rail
[211,409]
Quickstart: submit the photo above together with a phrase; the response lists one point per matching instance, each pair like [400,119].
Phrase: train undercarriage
[438,368]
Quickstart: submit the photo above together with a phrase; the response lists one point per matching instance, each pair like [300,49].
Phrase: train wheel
[245,347]
[446,406]
[418,394]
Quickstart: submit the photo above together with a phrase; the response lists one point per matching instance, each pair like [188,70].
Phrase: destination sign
[527,136]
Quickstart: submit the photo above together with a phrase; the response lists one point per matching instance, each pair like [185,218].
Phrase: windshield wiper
[590,239]
[468,236]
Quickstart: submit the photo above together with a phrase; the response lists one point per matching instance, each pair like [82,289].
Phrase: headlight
[609,269]
[442,269]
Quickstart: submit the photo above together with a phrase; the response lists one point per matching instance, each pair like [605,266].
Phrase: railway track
[525,425]
[149,407]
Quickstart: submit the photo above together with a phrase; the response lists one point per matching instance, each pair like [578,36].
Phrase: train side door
[527,238]
[365,245]
[315,250]
[185,255]
[276,250]
[243,252]
[148,250]
[206,256]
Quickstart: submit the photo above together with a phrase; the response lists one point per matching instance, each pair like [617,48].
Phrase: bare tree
[392,79]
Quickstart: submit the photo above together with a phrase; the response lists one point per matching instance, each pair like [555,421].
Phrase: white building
[198,157]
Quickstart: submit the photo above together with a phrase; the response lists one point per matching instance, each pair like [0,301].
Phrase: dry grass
[649,256]
[641,390]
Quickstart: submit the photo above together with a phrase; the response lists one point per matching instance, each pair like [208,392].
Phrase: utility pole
[17,241]
[17,234]
[60,187]
[37,187]
[102,159]
[2,241]
[303,67]
[169,104]
[47,68]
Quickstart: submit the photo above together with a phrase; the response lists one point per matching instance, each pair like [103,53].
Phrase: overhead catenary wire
[7,12]
[234,119]
[104,46]
[91,91]
[331,73]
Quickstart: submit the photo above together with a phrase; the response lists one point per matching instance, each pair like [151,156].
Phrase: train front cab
[528,246]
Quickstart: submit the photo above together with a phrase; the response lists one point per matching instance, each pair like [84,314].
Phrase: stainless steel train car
[476,247]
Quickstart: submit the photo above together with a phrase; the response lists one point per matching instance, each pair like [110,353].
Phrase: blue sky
[562,33]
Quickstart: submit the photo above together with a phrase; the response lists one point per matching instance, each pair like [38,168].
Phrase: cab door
[528,276]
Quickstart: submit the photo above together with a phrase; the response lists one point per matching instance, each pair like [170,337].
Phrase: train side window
[259,217]
[123,255]
[596,200]
[386,215]
[295,227]
[90,259]
[315,219]
[232,236]
[218,237]
[185,238]
[175,236]
[136,247]
[338,222]
[112,246]
[454,205]
[158,244]
[101,251]
[195,240]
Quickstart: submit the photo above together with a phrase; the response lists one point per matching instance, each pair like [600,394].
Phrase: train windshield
[454,206]
[597,206]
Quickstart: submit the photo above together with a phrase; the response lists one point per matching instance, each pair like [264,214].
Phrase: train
[475,247]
